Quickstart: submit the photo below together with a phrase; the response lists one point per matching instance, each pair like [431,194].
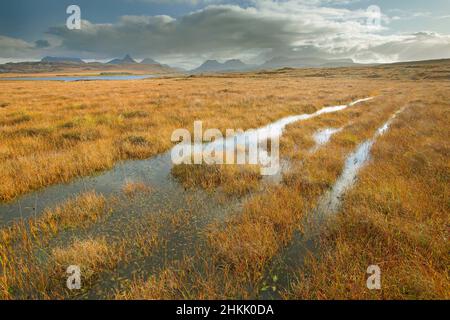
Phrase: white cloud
[265,29]
[175,2]
[13,48]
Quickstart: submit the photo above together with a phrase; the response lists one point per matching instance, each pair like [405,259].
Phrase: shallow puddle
[302,244]
[154,172]
[323,136]
[166,195]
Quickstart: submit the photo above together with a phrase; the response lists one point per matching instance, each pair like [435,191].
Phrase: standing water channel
[155,171]
[304,243]
[167,195]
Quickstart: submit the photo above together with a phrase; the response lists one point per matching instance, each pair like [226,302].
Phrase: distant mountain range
[118,61]
[69,64]
[53,64]
[227,66]
[215,66]
[126,60]
[274,63]
[49,59]
[282,62]
[149,61]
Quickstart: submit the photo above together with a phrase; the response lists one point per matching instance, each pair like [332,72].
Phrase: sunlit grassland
[395,216]
[34,259]
[240,249]
[74,129]
[235,180]
[22,270]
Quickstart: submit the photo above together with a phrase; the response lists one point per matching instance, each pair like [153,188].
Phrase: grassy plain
[395,216]
[75,129]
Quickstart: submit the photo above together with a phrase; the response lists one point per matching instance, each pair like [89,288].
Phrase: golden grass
[33,265]
[234,180]
[21,269]
[239,250]
[75,129]
[80,211]
[88,254]
[91,255]
[395,217]
[132,188]
[165,286]
[247,242]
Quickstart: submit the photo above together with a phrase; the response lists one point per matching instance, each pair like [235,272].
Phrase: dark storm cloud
[252,33]
[213,29]
[41,44]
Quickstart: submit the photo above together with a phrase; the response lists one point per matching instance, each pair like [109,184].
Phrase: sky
[185,33]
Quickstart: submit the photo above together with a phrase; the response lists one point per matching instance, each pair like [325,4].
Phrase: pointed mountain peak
[126,60]
[149,61]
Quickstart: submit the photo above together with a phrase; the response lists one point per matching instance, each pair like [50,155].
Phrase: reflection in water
[322,137]
[154,171]
[330,202]
[260,137]
[167,195]
[292,258]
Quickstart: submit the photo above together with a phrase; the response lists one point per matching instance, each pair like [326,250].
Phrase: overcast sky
[187,32]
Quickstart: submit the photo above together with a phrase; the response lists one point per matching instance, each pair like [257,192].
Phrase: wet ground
[169,196]
[305,243]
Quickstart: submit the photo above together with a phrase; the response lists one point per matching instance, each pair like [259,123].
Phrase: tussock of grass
[81,128]
[241,248]
[80,211]
[395,217]
[249,240]
[165,286]
[86,253]
[235,180]
[22,271]
[131,188]
[91,255]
